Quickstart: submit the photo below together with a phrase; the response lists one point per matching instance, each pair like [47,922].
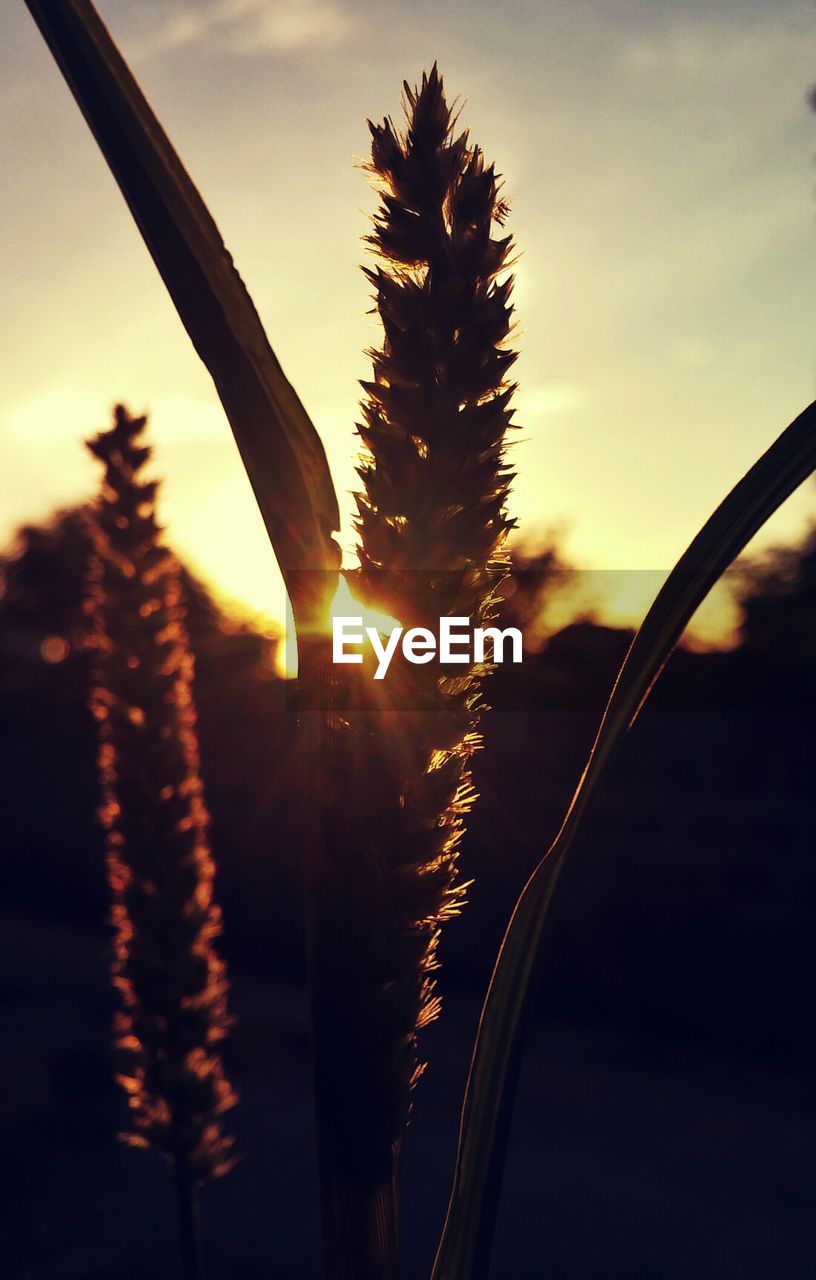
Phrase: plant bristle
[170,980]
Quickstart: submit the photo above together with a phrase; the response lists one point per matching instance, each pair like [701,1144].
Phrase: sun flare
[344,605]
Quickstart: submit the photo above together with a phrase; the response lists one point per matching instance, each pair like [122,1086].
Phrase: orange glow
[623,598]
[343,605]
[54,649]
[635,419]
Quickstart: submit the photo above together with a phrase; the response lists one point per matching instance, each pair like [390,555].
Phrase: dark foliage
[779,603]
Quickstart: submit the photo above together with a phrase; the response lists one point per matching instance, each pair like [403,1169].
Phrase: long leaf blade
[466,1243]
[279,445]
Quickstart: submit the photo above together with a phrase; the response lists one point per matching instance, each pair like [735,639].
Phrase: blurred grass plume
[170,979]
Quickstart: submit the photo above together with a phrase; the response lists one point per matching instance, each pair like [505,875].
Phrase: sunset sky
[659,160]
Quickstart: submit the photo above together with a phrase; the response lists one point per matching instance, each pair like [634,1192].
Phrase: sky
[659,161]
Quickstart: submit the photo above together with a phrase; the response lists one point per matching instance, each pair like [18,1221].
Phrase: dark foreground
[665,1130]
[629,1160]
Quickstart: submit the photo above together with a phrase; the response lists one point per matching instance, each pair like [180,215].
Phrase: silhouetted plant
[432,527]
[170,979]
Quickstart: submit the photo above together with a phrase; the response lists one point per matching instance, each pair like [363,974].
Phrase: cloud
[558,397]
[714,47]
[250,27]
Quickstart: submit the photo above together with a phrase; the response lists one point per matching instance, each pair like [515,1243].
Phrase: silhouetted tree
[778,603]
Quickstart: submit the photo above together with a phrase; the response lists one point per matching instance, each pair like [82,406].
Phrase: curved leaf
[280,447]
[465,1247]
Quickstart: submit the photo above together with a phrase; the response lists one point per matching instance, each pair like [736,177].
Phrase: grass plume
[432,521]
[169,977]
[432,527]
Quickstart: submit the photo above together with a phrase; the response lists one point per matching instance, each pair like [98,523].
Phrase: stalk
[188,1204]
[170,980]
[432,527]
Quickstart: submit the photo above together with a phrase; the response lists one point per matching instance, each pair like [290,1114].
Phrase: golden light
[622,598]
[343,605]
[54,649]
[212,519]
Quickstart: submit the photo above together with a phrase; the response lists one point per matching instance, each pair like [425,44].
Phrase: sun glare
[343,605]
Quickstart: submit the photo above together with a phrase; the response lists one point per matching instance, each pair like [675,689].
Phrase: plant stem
[357,1192]
[358,1199]
[359,1226]
[189,1216]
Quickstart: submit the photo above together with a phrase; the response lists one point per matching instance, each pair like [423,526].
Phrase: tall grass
[431,527]
[170,980]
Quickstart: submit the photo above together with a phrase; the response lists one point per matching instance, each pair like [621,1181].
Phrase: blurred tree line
[689,911]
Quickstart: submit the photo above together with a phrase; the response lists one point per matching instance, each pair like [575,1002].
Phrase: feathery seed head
[432,525]
[170,979]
